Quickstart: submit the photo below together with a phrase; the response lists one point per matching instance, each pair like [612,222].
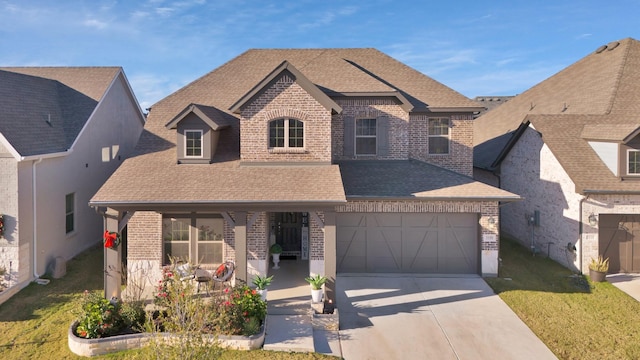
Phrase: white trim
[201,144]
[629,151]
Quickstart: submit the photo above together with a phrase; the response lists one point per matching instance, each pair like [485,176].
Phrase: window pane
[194,143]
[69,212]
[210,253]
[366,146]
[439,126]
[276,133]
[366,127]
[438,145]
[634,162]
[210,238]
[296,133]
[175,235]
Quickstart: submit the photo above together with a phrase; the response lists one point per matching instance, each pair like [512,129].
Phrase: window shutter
[349,136]
[382,132]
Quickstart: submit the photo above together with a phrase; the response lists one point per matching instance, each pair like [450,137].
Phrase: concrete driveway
[414,317]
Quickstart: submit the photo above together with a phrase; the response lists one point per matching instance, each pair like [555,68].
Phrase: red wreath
[111,239]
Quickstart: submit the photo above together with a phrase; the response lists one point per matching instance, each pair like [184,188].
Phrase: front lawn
[575,318]
[34,322]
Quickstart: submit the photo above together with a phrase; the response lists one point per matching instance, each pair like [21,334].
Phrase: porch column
[241,245]
[112,258]
[330,255]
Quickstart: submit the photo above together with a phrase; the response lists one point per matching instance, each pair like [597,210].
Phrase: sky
[478,48]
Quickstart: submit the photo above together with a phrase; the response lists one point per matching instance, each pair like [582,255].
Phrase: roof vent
[601,49]
[612,45]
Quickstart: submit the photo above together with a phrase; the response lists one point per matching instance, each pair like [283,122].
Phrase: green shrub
[133,315]
[98,317]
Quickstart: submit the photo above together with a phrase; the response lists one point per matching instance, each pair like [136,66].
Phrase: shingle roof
[43,109]
[605,82]
[334,71]
[412,179]
[562,134]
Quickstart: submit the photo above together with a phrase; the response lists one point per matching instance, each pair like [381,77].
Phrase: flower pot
[316,295]
[276,260]
[597,276]
[263,294]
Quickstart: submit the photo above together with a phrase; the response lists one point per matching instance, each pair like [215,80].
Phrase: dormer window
[193,143]
[633,162]
[286,133]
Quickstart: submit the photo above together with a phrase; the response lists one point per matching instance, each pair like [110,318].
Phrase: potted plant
[316,283]
[275,251]
[261,283]
[598,269]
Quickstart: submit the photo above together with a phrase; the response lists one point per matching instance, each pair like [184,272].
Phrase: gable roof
[605,82]
[43,109]
[213,117]
[287,68]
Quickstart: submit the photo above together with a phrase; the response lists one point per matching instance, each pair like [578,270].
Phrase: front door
[288,226]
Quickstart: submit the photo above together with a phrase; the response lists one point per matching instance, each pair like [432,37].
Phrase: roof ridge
[621,71]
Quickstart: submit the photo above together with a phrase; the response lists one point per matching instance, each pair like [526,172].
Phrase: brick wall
[316,238]
[144,236]
[257,237]
[532,171]
[372,108]
[285,98]
[9,244]
[460,157]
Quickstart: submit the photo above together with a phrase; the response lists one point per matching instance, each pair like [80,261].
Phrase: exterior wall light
[593,219]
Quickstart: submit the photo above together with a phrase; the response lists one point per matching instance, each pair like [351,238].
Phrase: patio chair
[223,273]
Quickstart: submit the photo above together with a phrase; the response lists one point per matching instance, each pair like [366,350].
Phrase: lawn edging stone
[94,347]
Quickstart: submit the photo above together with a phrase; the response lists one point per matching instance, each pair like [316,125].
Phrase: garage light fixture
[593,219]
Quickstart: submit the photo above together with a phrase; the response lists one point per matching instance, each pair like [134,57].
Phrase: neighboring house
[571,147]
[63,131]
[349,159]
[491,102]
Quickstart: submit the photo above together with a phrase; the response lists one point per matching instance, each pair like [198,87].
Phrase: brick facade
[285,98]
[10,258]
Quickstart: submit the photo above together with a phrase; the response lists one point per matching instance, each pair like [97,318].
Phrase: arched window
[286,133]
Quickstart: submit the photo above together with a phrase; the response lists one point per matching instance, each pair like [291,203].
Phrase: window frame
[286,136]
[193,241]
[70,226]
[366,136]
[637,160]
[446,136]
[186,144]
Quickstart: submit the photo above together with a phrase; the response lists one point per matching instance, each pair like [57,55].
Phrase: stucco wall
[532,171]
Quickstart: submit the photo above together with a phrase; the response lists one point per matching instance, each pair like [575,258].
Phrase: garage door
[407,243]
[619,240]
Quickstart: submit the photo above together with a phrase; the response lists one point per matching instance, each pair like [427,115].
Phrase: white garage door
[407,243]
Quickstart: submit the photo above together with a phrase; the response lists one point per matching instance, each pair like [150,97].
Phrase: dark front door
[619,240]
[289,232]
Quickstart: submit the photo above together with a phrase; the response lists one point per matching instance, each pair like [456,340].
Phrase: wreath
[111,239]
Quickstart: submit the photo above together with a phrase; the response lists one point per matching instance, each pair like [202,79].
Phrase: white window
[366,137]
[193,143]
[70,212]
[197,240]
[633,163]
[438,135]
[286,133]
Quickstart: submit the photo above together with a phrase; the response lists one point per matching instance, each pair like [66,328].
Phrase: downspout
[580,231]
[35,217]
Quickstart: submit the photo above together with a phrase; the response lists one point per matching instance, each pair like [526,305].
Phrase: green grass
[575,318]
[34,322]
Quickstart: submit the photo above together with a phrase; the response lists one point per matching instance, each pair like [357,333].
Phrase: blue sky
[474,47]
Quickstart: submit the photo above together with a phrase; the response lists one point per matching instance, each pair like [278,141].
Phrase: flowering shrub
[161,296]
[98,317]
[240,311]
[111,239]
